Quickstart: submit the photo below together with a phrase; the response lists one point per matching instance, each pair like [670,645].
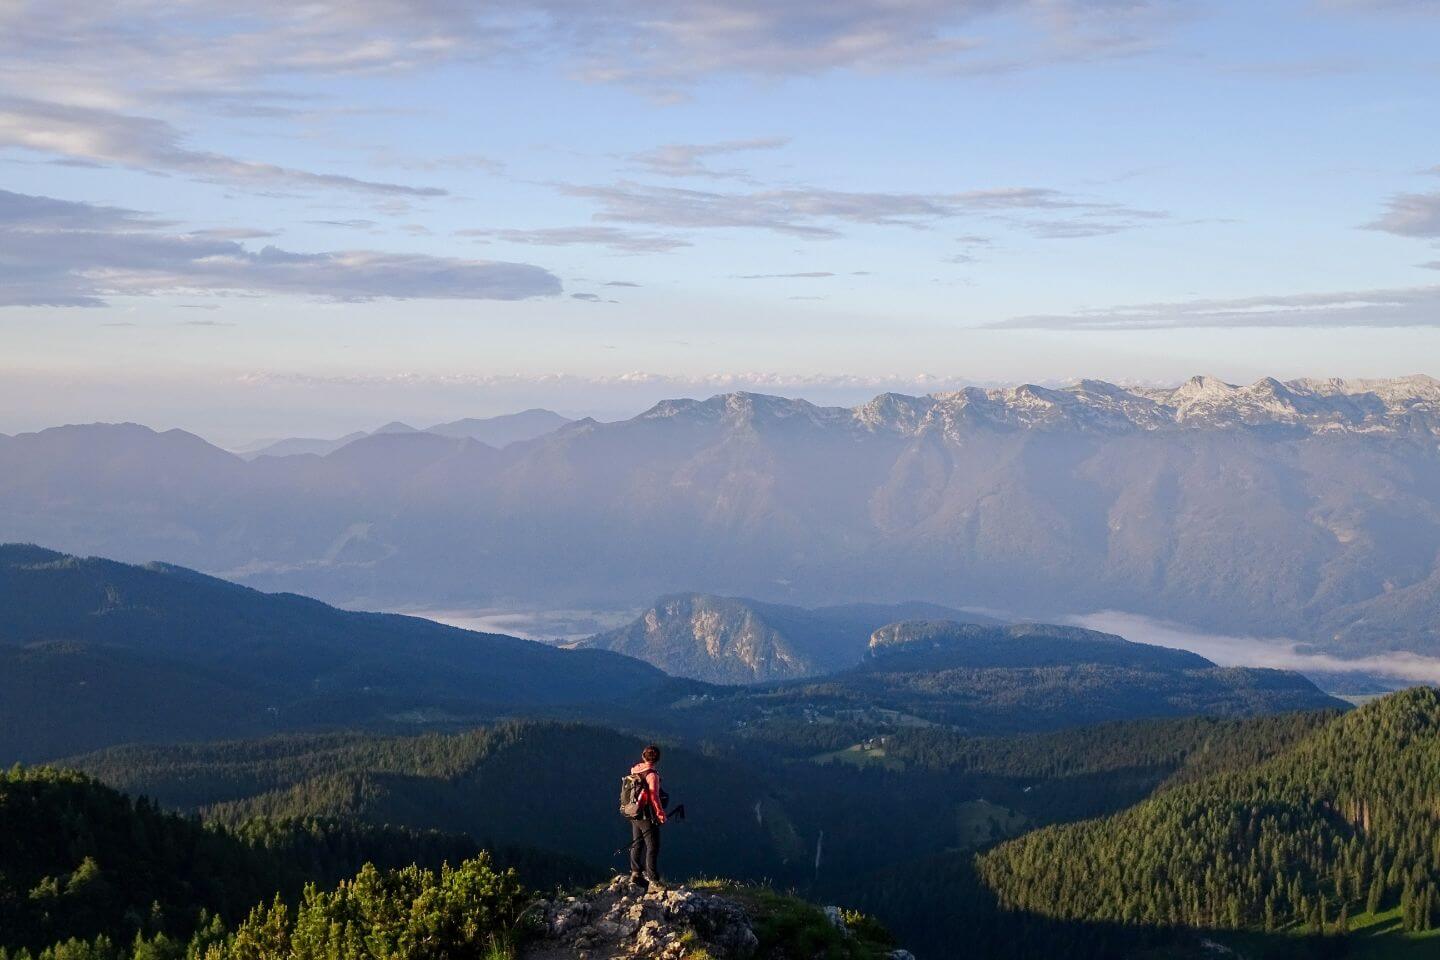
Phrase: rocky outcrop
[735,640]
[623,920]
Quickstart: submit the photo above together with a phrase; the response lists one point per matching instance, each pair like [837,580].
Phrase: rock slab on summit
[622,920]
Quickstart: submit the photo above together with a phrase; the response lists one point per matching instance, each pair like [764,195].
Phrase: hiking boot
[655,886]
[638,879]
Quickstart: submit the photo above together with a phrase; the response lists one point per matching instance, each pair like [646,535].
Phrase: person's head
[650,754]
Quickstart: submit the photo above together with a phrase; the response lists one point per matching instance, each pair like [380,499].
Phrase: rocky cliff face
[735,640]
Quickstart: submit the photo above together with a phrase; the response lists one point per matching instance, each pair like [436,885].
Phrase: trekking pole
[676,814]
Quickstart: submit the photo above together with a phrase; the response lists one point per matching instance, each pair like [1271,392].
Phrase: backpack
[633,787]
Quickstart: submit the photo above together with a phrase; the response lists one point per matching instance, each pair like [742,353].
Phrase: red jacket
[651,796]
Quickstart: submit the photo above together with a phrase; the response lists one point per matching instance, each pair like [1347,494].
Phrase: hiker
[647,802]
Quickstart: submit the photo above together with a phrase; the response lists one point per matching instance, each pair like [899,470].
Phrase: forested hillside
[94,652]
[1286,817]
[993,680]
[1344,823]
[88,874]
[753,813]
[78,859]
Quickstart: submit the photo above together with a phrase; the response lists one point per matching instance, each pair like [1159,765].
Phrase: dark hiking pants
[645,849]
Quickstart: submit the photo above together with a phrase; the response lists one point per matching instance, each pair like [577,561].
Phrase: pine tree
[1377,895]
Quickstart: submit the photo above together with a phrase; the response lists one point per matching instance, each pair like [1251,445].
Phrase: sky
[275,219]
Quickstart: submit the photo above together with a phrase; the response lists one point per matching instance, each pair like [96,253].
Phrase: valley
[992,740]
[719,480]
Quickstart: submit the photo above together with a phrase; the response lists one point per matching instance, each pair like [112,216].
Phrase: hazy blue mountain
[736,640]
[1308,509]
[492,431]
[503,430]
[94,652]
[394,426]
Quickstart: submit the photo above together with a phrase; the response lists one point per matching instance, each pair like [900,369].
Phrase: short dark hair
[650,754]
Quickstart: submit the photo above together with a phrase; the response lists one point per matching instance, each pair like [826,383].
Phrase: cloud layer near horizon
[1407,307]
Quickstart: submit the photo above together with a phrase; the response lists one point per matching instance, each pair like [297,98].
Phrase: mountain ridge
[498,431]
[1308,511]
[95,652]
[1401,404]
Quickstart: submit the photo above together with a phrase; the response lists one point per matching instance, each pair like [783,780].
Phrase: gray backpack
[633,787]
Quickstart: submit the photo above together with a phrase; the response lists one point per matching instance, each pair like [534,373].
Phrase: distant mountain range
[735,640]
[492,431]
[1308,509]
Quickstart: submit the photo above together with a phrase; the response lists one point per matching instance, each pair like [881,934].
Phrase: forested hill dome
[1344,823]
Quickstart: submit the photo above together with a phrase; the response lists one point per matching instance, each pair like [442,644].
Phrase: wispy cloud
[675,385]
[688,159]
[673,45]
[1411,215]
[625,241]
[234,233]
[353,224]
[1405,307]
[202,49]
[62,253]
[144,143]
[815,213]
[807,275]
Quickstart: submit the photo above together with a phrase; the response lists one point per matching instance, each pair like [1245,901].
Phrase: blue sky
[306,216]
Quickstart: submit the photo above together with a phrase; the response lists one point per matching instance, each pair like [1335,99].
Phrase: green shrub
[469,912]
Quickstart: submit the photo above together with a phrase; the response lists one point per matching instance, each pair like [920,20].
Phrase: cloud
[1249,651]
[354,224]
[674,384]
[1411,215]
[687,159]
[621,283]
[156,50]
[1406,307]
[813,274]
[626,241]
[63,253]
[47,213]
[144,143]
[673,45]
[235,233]
[1393,6]
[814,213]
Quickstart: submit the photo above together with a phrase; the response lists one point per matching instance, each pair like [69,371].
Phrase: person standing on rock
[645,828]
